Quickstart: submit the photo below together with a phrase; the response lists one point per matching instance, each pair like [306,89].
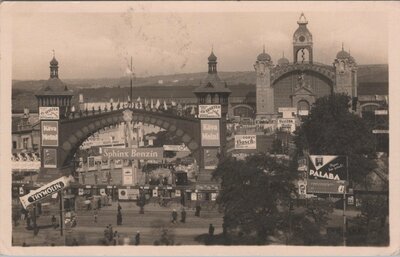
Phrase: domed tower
[283,61]
[302,42]
[264,90]
[54,93]
[346,74]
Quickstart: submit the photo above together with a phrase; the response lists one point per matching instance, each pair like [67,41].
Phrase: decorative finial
[263,48]
[54,54]
[342,46]
[212,48]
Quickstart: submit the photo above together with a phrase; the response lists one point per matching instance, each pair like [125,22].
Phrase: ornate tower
[212,95]
[54,93]
[346,74]
[302,42]
[264,90]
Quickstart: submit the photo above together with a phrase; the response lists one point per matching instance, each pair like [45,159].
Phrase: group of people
[112,237]
[175,216]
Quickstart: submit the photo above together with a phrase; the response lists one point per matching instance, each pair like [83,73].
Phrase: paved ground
[87,232]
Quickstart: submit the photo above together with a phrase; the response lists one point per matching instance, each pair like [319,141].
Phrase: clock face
[302,38]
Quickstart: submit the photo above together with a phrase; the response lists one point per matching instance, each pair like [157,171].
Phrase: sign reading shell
[49,133]
[208,111]
[49,113]
[45,191]
[245,142]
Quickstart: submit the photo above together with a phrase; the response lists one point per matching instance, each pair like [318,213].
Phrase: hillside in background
[373,77]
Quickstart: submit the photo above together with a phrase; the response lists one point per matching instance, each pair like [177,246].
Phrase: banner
[49,113]
[127,176]
[245,142]
[210,133]
[45,191]
[210,159]
[49,158]
[150,153]
[331,167]
[49,130]
[210,111]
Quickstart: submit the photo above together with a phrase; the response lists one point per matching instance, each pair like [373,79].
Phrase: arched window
[303,55]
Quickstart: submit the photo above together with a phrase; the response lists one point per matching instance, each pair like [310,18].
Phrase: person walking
[106,233]
[54,222]
[119,207]
[115,238]
[95,216]
[211,230]
[137,238]
[174,216]
[183,215]
[198,209]
[99,203]
[119,218]
[110,232]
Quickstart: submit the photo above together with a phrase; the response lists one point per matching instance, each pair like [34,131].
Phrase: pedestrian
[54,221]
[174,216]
[106,232]
[28,220]
[198,209]
[183,215]
[74,242]
[110,232]
[115,238]
[95,216]
[99,203]
[119,218]
[211,230]
[137,238]
[119,208]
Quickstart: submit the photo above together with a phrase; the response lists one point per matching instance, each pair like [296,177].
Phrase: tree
[253,195]
[331,129]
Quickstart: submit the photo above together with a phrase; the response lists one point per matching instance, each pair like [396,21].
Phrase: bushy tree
[331,129]
[253,195]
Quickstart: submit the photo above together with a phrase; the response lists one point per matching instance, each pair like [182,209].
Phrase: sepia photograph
[198,124]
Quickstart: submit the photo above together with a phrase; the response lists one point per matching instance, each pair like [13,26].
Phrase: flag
[151,104]
[146,103]
[138,99]
[193,112]
[73,108]
[158,104]
[128,71]
[129,99]
[140,105]
[165,105]
[173,103]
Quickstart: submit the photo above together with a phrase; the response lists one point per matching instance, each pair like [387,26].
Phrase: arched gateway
[64,133]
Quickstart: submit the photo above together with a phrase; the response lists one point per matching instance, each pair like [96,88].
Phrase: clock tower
[302,42]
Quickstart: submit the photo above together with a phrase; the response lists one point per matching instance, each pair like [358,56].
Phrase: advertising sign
[155,193]
[25,165]
[303,112]
[193,196]
[49,113]
[210,159]
[177,193]
[176,148]
[329,167]
[150,153]
[45,191]
[287,124]
[380,131]
[210,111]
[302,164]
[49,133]
[287,112]
[381,112]
[210,133]
[319,186]
[213,196]
[245,142]
[127,176]
[49,158]
[302,188]
[122,194]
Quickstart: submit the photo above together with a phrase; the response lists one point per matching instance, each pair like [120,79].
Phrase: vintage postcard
[199,128]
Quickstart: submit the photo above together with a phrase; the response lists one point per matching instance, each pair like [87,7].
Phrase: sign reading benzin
[148,153]
[245,142]
[49,113]
[45,191]
[210,111]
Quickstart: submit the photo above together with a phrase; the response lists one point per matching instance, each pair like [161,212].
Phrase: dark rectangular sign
[328,167]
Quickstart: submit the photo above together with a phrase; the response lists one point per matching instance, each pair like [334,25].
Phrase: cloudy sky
[97,45]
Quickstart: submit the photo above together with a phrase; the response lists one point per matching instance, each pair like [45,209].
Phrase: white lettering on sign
[133,153]
[49,113]
[210,111]
[326,175]
[245,142]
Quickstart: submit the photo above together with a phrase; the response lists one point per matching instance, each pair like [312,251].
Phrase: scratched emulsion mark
[153,40]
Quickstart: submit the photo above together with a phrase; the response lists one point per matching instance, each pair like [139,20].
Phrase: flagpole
[130,103]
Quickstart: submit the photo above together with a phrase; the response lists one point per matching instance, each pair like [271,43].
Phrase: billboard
[49,131]
[245,142]
[49,113]
[49,158]
[127,176]
[210,111]
[210,159]
[45,191]
[176,148]
[210,133]
[148,153]
[319,186]
[328,167]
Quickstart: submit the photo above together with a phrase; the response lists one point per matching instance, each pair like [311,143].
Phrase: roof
[212,83]
[54,86]
[342,55]
[212,57]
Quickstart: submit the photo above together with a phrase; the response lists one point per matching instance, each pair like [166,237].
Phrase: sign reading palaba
[331,167]
[210,111]
[45,191]
[49,113]
[245,142]
[148,153]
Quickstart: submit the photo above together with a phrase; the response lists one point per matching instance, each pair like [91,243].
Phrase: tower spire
[342,46]
[263,48]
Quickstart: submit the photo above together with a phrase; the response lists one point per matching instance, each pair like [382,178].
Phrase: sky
[99,45]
